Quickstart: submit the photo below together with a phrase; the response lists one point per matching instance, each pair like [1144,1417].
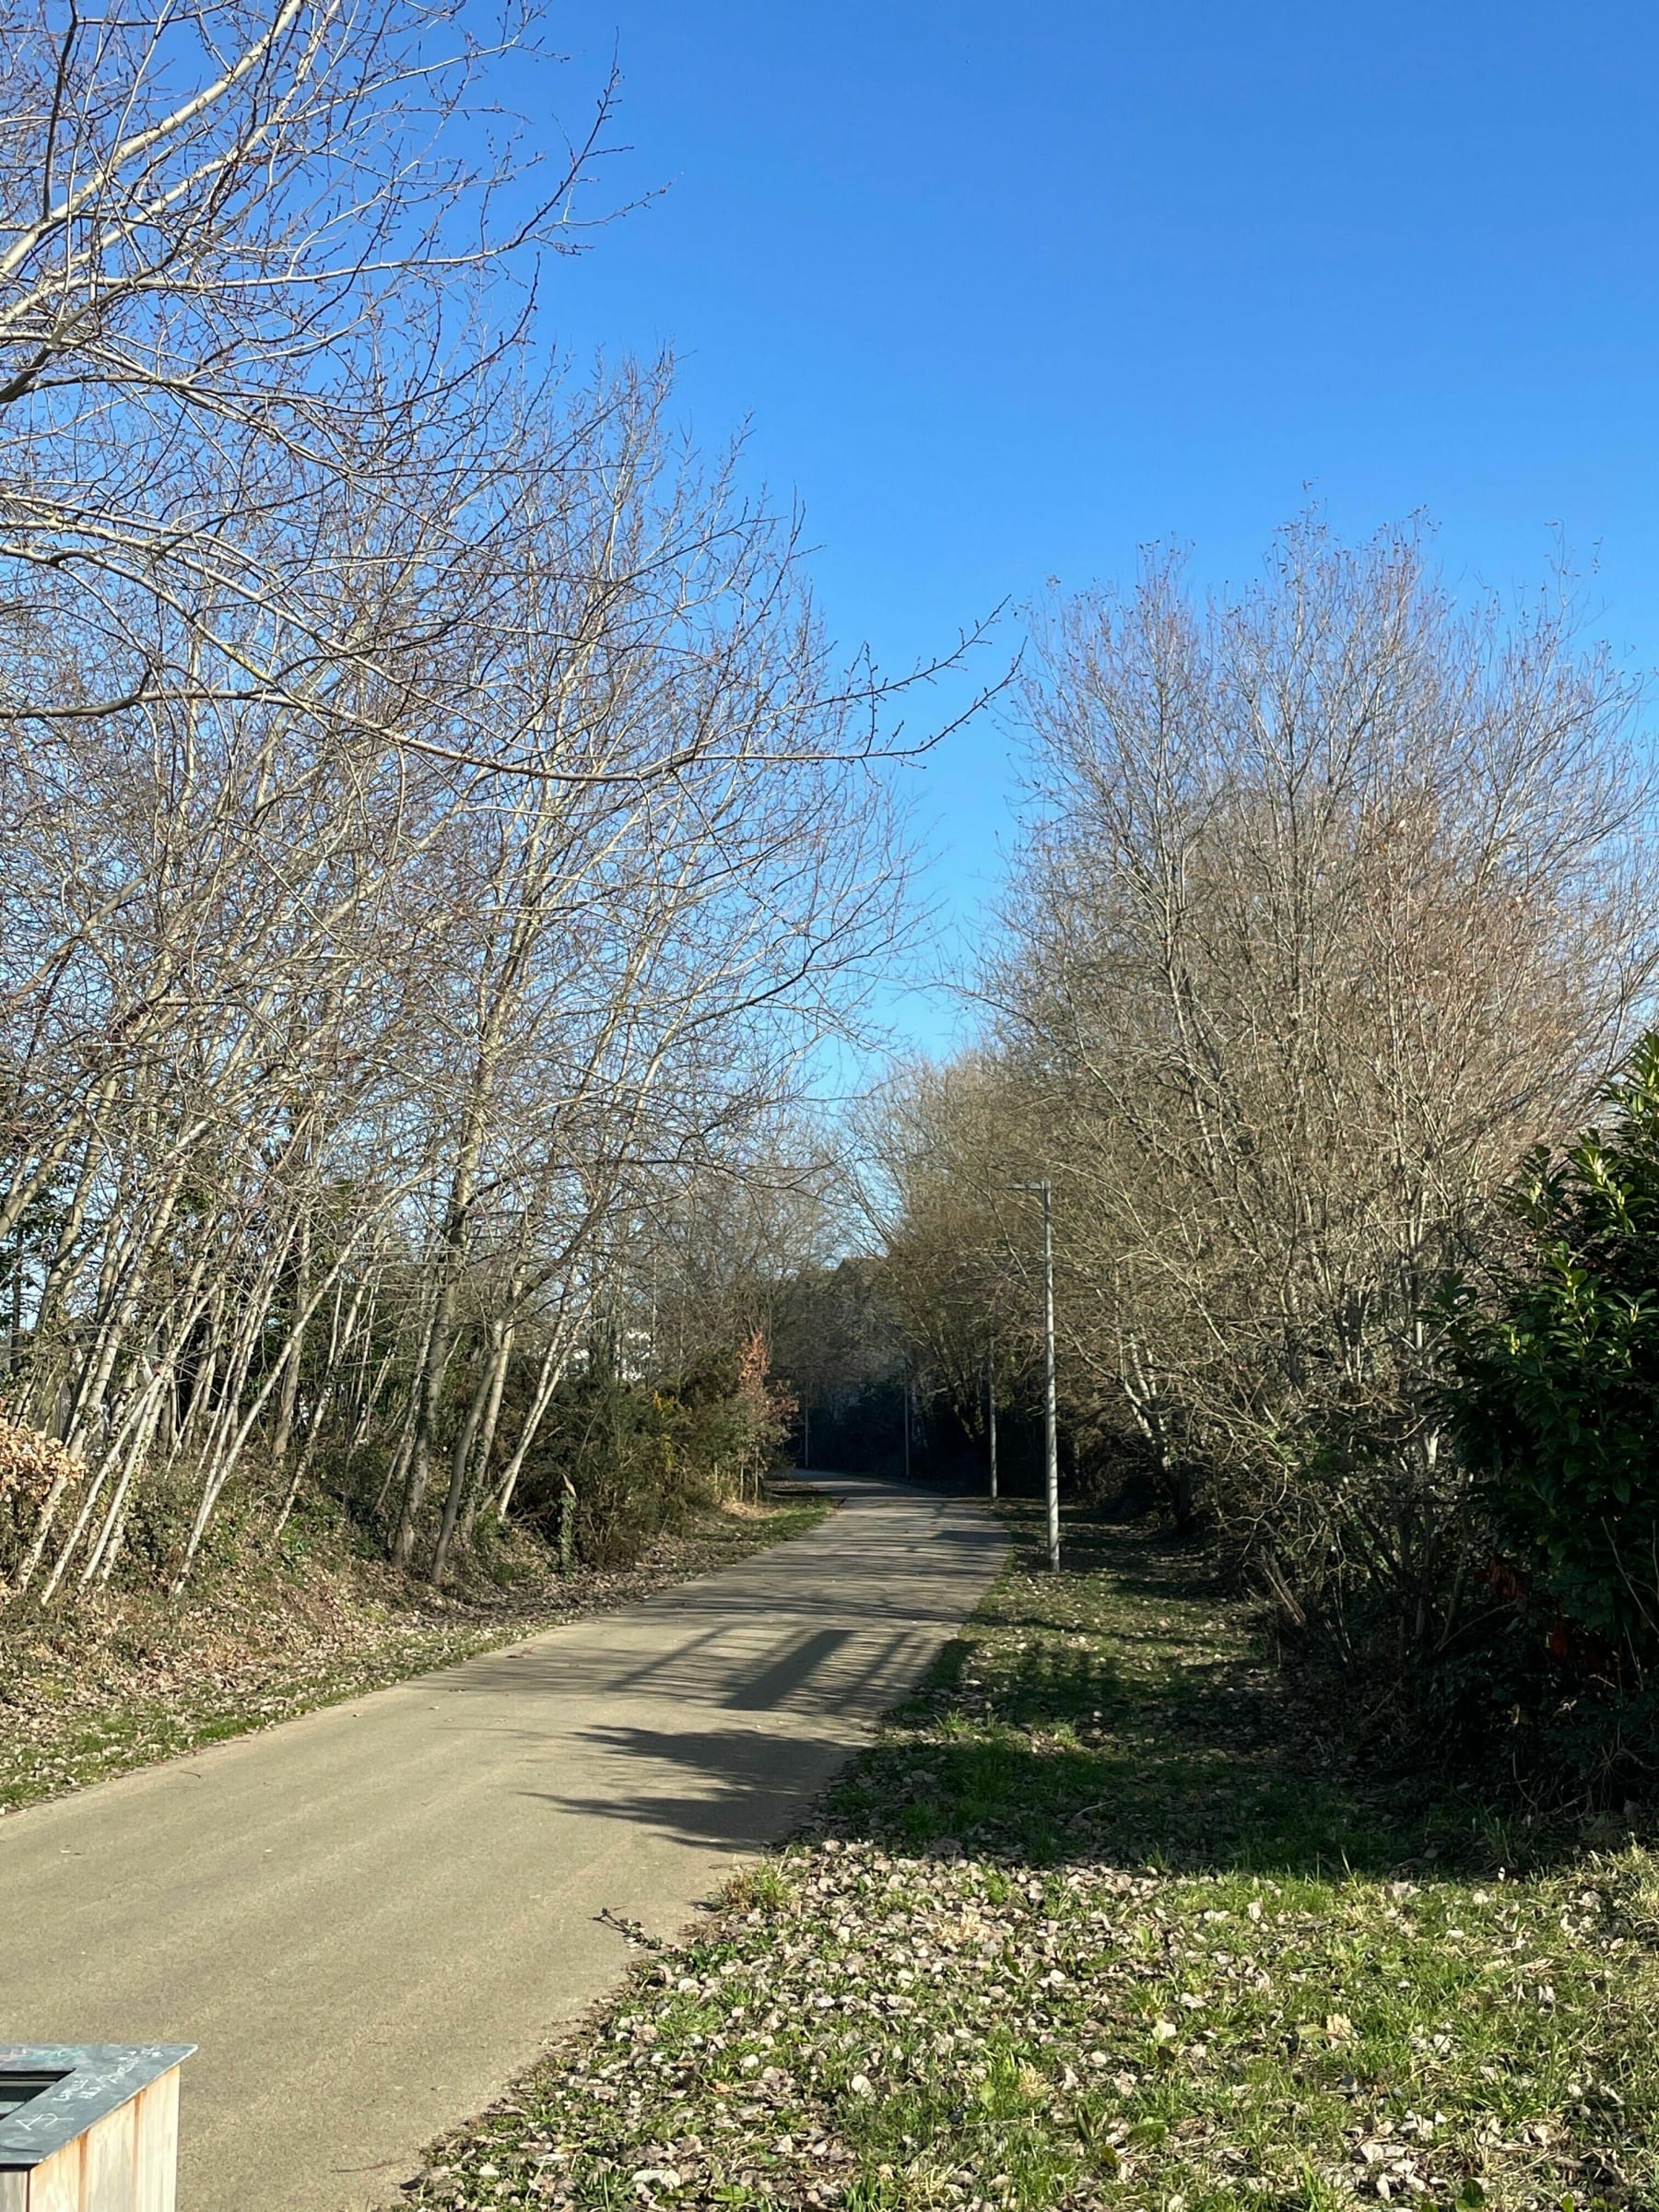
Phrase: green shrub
[1552,1387]
[618,1463]
[606,1444]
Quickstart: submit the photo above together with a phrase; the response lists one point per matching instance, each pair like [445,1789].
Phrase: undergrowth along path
[1095,1924]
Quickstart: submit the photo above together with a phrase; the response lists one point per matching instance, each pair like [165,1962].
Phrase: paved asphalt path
[369,1918]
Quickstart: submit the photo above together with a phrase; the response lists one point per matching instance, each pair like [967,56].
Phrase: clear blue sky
[1007,291]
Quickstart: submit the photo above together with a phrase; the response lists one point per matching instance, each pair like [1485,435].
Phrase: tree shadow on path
[1122,1711]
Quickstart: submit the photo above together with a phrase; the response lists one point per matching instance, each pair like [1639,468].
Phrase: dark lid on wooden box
[50,2093]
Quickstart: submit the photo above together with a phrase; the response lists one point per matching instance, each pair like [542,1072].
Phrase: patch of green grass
[1095,1924]
[107,1691]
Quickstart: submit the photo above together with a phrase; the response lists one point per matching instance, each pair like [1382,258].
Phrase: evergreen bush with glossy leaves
[1552,1383]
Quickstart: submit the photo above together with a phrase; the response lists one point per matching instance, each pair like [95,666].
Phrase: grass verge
[121,1682]
[1095,1924]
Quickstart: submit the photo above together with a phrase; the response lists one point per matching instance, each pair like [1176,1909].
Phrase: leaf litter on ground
[1099,1920]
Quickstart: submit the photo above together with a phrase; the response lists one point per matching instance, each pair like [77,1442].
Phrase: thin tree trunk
[554,1361]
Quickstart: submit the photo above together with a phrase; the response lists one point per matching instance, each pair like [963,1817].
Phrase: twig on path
[633,1930]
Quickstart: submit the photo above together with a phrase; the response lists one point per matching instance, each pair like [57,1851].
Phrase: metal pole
[806,1436]
[1049,1445]
[907,1414]
[991,1408]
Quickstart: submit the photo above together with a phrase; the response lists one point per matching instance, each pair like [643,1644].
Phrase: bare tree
[1332,899]
[440,821]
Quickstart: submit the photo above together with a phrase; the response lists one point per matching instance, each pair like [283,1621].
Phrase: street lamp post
[991,1408]
[1050,1450]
